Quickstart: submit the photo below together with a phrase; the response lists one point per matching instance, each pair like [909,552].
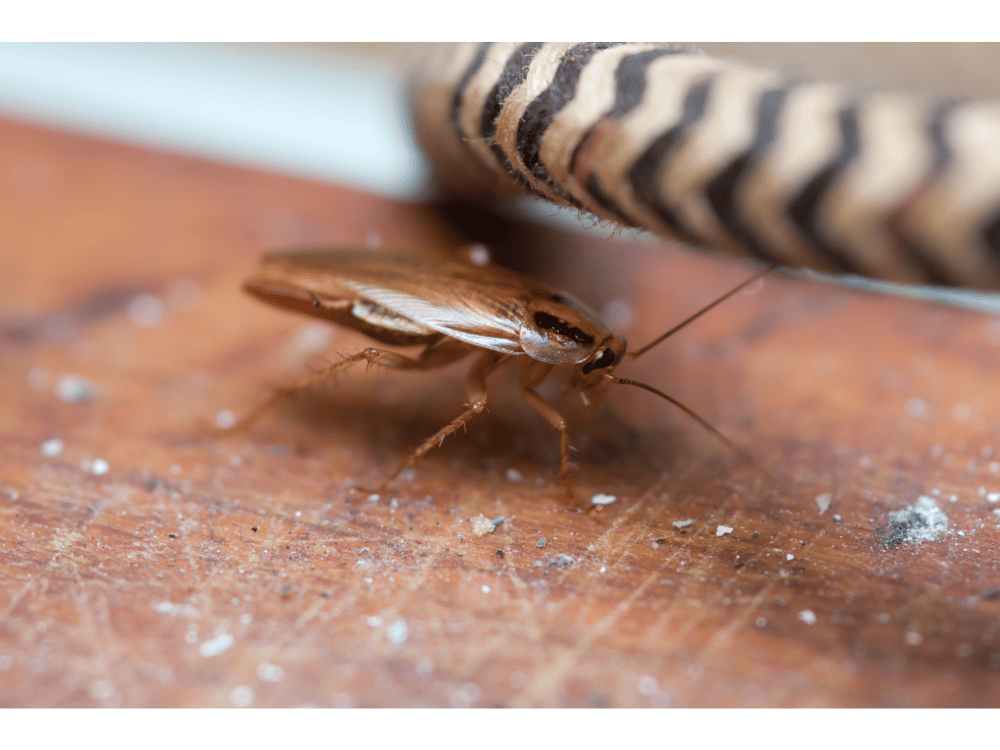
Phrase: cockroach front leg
[532,375]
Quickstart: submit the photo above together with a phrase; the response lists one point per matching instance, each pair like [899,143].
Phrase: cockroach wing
[482,306]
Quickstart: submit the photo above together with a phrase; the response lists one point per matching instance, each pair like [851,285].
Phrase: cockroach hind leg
[373,356]
[247,420]
[566,477]
[375,493]
[293,388]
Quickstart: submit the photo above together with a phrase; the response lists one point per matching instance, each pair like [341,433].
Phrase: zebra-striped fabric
[722,155]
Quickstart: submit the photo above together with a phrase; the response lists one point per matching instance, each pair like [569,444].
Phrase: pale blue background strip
[337,120]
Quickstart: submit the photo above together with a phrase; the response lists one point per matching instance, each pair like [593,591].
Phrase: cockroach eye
[606,359]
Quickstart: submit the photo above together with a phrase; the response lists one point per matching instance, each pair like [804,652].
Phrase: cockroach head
[597,368]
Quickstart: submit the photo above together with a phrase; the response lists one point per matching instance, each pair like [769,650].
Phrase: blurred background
[335,112]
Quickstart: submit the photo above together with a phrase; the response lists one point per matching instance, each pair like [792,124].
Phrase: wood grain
[147,585]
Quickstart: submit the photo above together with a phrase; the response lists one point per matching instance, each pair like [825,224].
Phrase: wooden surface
[147,585]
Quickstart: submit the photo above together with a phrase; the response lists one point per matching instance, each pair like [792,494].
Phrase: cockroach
[453,309]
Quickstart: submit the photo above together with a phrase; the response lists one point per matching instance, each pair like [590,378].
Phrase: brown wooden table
[147,562]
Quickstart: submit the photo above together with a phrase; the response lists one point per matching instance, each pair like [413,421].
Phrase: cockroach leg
[436,355]
[295,387]
[431,357]
[532,375]
[475,385]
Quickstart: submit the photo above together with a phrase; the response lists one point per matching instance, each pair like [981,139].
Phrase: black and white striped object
[722,155]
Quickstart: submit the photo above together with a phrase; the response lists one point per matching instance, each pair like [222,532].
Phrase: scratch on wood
[542,687]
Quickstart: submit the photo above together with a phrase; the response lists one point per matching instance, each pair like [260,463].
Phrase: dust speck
[923,521]
[807,616]
[74,390]
[600,499]
[177,610]
[398,632]
[216,645]
[268,672]
[225,419]
[241,696]
[823,502]
[721,530]
[560,561]
[481,525]
[52,448]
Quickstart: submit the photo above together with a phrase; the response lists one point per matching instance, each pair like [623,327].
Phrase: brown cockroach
[454,309]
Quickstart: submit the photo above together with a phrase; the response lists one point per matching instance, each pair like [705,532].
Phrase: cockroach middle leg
[431,357]
[475,385]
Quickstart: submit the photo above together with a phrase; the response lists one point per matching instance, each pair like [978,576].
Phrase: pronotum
[721,155]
